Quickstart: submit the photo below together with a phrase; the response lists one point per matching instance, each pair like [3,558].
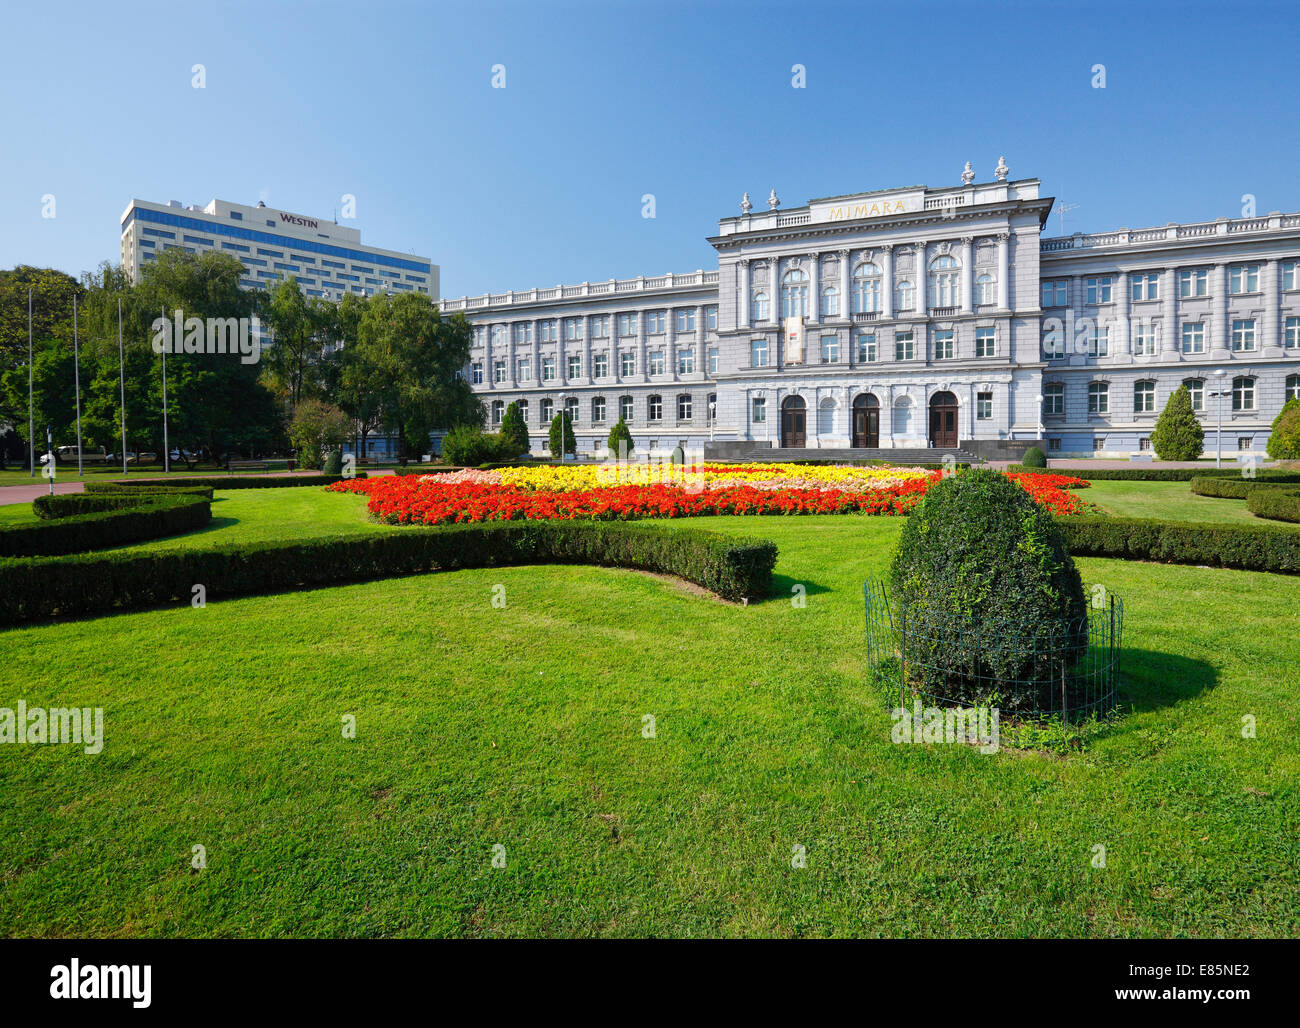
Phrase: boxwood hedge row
[222,482]
[45,587]
[1247,547]
[69,505]
[1275,504]
[151,516]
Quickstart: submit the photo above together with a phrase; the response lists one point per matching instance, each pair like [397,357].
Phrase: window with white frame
[943,345]
[1292,387]
[1243,335]
[571,409]
[625,408]
[627,364]
[654,408]
[1144,338]
[476,373]
[573,329]
[830,302]
[685,319]
[546,409]
[600,326]
[1193,282]
[866,288]
[1290,279]
[523,410]
[1193,337]
[1243,393]
[713,360]
[983,406]
[548,369]
[986,290]
[597,410]
[1053,341]
[711,318]
[654,323]
[524,369]
[1098,398]
[627,324]
[1098,289]
[830,349]
[1243,278]
[1098,340]
[794,294]
[760,307]
[905,295]
[904,346]
[758,410]
[498,335]
[1056,293]
[575,365]
[686,361]
[866,347]
[656,362]
[1053,399]
[498,411]
[986,342]
[684,407]
[1144,397]
[524,332]
[1145,285]
[498,371]
[600,365]
[945,282]
[1196,390]
[546,330]
[758,353]
[1291,333]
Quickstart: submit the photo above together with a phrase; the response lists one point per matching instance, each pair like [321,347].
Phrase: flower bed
[603,494]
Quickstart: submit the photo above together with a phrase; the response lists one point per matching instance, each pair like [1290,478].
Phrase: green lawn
[523,727]
[1167,501]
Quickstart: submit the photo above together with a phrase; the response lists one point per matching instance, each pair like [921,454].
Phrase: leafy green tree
[1178,435]
[317,427]
[619,434]
[562,423]
[304,328]
[1284,442]
[513,429]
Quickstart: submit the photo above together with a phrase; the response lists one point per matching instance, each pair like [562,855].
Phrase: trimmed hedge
[41,588]
[1237,488]
[1276,504]
[1247,547]
[220,482]
[1153,474]
[70,505]
[148,516]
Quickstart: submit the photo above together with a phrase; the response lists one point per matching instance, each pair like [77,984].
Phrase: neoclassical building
[907,318]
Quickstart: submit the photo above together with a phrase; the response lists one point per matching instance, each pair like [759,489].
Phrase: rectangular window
[866,348]
[548,369]
[1193,337]
[830,349]
[1243,394]
[904,346]
[1243,279]
[1243,335]
[1098,341]
[1196,390]
[547,411]
[654,322]
[1098,398]
[1054,398]
[498,371]
[1146,286]
[943,349]
[655,408]
[713,360]
[1144,339]
[759,416]
[476,373]
[1193,282]
[598,410]
[600,326]
[1292,333]
[711,318]
[1054,341]
[524,332]
[625,408]
[1289,278]
[600,365]
[686,362]
[983,406]
[627,364]
[524,367]
[1098,289]
[573,329]
[1055,293]
[758,353]
[627,324]
[986,343]
[686,320]
[656,362]
[1054,443]
[1144,397]
[684,407]
[546,331]
[575,366]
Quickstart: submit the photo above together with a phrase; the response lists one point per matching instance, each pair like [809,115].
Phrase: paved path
[27,493]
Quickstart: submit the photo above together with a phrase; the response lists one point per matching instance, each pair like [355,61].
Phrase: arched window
[760,306]
[1243,393]
[654,408]
[597,409]
[523,410]
[904,296]
[866,289]
[826,417]
[794,294]
[1053,399]
[684,407]
[498,411]
[945,284]
[1196,389]
[1293,387]
[571,408]
[625,408]
[830,302]
[986,290]
[1144,397]
[1098,398]
[711,410]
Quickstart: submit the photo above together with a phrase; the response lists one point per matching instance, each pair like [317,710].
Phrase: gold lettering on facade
[876,209]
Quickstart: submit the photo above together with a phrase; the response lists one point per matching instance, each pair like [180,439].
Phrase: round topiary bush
[333,463]
[1284,442]
[1034,458]
[993,602]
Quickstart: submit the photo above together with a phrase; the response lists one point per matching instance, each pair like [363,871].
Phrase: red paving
[27,493]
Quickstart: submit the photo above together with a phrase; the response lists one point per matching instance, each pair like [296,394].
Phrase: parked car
[95,455]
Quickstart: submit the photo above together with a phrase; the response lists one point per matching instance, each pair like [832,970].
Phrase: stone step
[894,456]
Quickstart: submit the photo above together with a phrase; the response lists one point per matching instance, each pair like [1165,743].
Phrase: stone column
[537,354]
[814,288]
[1121,345]
[641,346]
[615,353]
[1170,344]
[1272,344]
[670,342]
[967,275]
[512,365]
[1218,329]
[887,281]
[846,308]
[701,347]
[489,378]
[921,276]
[1004,271]
[586,349]
[774,291]
[742,313]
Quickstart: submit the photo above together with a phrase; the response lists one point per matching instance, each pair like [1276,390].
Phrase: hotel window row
[598,408]
[1193,283]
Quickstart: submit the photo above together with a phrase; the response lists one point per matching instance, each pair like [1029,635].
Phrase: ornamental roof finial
[967,175]
[773,201]
[1001,170]
[745,205]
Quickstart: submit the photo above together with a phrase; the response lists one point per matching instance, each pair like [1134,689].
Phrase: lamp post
[1218,432]
[713,416]
[563,411]
[1042,430]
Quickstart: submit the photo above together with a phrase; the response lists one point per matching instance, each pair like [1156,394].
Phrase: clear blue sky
[541,182]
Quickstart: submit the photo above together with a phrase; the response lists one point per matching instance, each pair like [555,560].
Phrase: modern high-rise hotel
[327,259]
[913,317]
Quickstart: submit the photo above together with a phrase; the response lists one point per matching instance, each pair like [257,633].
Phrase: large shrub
[989,589]
[1035,458]
[1178,435]
[316,427]
[514,430]
[470,446]
[1284,443]
[620,433]
[562,424]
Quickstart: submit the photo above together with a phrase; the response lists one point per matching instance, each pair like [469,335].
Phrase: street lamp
[713,416]
[1218,432]
[1042,430]
[563,412]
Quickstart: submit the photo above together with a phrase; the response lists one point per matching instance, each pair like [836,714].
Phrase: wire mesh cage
[1069,670]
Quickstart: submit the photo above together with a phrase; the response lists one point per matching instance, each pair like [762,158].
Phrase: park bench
[260,465]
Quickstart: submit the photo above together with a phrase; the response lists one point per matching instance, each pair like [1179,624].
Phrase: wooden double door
[866,422]
[943,420]
[794,423]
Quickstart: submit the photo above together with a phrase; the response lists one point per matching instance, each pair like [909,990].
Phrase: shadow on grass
[1151,680]
[783,588]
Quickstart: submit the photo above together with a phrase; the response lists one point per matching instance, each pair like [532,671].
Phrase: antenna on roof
[1061,208]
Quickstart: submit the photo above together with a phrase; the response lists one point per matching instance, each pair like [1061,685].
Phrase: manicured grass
[522,726]
[1165,501]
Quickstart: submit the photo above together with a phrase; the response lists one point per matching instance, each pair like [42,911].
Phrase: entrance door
[943,420]
[793,427]
[866,422]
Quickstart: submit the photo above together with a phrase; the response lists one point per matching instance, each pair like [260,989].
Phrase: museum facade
[908,318]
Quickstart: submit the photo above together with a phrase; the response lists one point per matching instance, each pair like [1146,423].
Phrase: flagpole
[167,450]
[76,372]
[31,421]
[121,370]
